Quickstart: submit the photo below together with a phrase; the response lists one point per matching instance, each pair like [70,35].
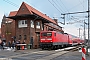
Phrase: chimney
[56,20]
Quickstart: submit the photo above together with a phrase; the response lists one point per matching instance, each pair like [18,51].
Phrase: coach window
[38,25]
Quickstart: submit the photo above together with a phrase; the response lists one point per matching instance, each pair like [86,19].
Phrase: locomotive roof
[52,31]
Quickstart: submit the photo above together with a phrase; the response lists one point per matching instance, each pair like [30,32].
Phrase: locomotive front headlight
[51,41]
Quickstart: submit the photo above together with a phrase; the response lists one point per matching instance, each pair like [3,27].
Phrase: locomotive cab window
[49,34]
[46,34]
[43,34]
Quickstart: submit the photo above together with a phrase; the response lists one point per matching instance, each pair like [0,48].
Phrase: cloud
[75,5]
[1,16]
[71,30]
[75,31]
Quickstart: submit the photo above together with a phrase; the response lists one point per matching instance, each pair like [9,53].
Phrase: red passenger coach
[53,39]
[73,40]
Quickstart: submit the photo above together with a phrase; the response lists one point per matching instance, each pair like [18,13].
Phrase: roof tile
[33,10]
[13,13]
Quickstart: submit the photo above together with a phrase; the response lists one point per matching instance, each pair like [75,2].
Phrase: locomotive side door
[54,37]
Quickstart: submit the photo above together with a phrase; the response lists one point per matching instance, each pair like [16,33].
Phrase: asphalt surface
[72,55]
[38,54]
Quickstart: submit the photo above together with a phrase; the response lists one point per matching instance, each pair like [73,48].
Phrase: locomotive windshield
[46,34]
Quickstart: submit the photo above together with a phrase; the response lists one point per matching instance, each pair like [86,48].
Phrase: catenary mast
[88,42]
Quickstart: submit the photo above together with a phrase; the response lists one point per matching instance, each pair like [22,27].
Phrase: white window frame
[32,23]
[22,23]
[38,25]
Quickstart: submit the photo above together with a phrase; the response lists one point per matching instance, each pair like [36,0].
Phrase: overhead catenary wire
[77,5]
[30,3]
[59,4]
[11,3]
[55,6]
[75,13]
[68,17]
[81,3]
[58,10]
[63,5]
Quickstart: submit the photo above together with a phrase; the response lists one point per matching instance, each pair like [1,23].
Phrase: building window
[46,29]
[25,21]
[20,37]
[42,28]
[38,25]
[22,23]
[25,37]
[32,23]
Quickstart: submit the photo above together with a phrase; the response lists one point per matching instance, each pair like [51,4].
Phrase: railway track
[59,52]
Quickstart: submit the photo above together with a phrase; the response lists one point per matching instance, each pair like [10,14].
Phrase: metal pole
[79,32]
[87,44]
[84,31]
[88,19]
[64,20]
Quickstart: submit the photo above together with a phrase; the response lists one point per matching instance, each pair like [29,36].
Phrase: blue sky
[52,8]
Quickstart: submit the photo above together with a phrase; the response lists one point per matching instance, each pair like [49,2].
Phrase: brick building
[7,29]
[29,22]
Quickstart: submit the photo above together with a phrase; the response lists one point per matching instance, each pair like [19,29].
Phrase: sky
[54,9]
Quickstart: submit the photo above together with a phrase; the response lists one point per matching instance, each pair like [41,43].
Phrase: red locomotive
[53,39]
